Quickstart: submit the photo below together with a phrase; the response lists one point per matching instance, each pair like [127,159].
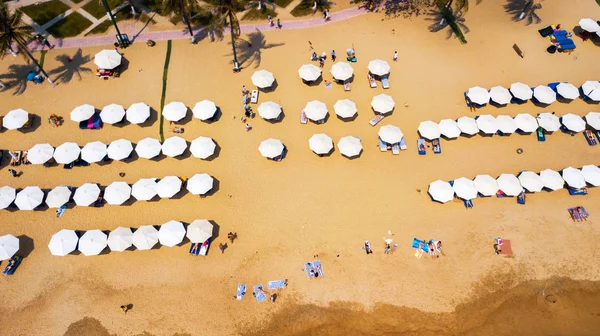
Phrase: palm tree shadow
[514,8]
[250,50]
[71,66]
[437,25]
[16,79]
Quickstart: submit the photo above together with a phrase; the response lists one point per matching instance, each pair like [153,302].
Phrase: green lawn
[45,12]
[70,26]
[120,16]
[255,14]
[96,9]
[305,8]
[285,3]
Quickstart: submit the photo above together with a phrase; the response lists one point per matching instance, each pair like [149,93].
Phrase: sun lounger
[15,158]
[241,291]
[421,146]
[376,119]
[303,118]
[578,214]
[403,145]
[12,265]
[396,149]
[437,146]
[382,145]
[540,134]
[254,97]
[521,198]
[420,245]
[203,250]
[259,293]
[195,249]
[318,268]
[372,81]
[276,284]
[468,203]
[569,46]
[385,82]
[347,86]
[590,137]
[597,134]
[579,191]
[308,267]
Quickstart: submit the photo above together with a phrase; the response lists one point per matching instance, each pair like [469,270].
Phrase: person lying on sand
[432,250]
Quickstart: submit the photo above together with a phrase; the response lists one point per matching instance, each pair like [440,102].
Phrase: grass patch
[285,3]
[72,25]
[306,8]
[120,16]
[45,12]
[256,14]
[96,9]
[200,18]
[164,90]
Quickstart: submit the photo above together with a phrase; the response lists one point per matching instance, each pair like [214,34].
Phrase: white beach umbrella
[500,95]
[320,143]
[117,193]
[315,110]
[92,242]
[7,196]
[345,108]
[379,67]
[148,148]
[119,149]
[509,184]
[591,89]
[567,90]
[9,246]
[589,25]
[309,72]
[108,59]
[66,153]
[58,197]
[548,121]
[467,125]
[269,110]
[120,239]
[174,111]
[82,112]
[592,119]
[552,179]
[15,119]
[591,173]
[63,242]
[383,103]
[171,233]
[544,94]
[441,191]
[40,153]
[464,188]
[531,181]
[573,122]
[204,110]
[137,113]
[487,124]
[112,114]
[271,148]
[506,124]
[145,189]
[429,130]
[449,128]
[574,177]
[262,79]
[486,185]
[174,146]
[145,237]
[86,194]
[199,231]
[93,152]
[200,184]
[478,95]
[526,122]
[342,71]
[390,134]
[350,146]
[521,91]
[168,186]
[203,147]
[29,198]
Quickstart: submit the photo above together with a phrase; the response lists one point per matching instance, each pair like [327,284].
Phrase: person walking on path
[278,23]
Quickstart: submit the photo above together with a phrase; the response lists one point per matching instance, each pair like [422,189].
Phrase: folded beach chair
[590,137]
[421,146]
[259,293]
[376,119]
[372,81]
[385,82]
[579,191]
[303,118]
[403,145]
[540,134]
[420,245]
[203,250]
[347,86]
[437,149]
[254,97]
[521,198]
[396,149]
[468,203]
[318,268]
[276,284]
[12,265]
[382,145]
[241,291]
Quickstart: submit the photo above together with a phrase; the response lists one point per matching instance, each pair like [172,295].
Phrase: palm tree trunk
[187,21]
[235,62]
[23,48]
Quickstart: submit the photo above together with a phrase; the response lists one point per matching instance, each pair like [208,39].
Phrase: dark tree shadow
[250,51]
[71,66]
[16,79]
[395,8]
[514,8]
[437,25]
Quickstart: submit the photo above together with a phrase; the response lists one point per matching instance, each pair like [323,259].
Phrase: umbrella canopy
[478,95]
[441,191]
[487,124]
[531,181]
[544,94]
[168,186]
[93,152]
[174,111]
[92,242]
[591,173]
[567,90]
[449,128]
[548,121]
[390,134]
[15,119]
[120,239]
[200,184]
[58,197]
[573,122]
[63,242]
[40,153]
[552,179]
[145,237]
[29,198]
[117,193]
[589,25]
[467,125]
[145,189]
[203,147]
[269,110]
[464,188]
[486,185]
[592,119]
[383,103]
[137,113]
[204,110]
[199,231]
[171,233]
[320,143]
[500,95]
[309,72]
[345,108]
[108,59]
[86,194]
[262,79]
[509,184]
[591,89]
[379,67]
[506,124]
[342,71]
[66,153]
[350,146]
[9,245]
[271,148]
[315,110]
[83,112]
[7,196]
[148,148]
[174,146]
[574,177]
[526,122]
[119,149]
[112,114]
[429,130]
[521,91]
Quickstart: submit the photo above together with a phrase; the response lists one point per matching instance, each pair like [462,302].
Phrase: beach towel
[521,198]
[276,284]
[468,203]
[12,265]
[540,135]
[385,82]
[376,119]
[421,146]
[203,250]
[420,245]
[578,213]
[60,211]
[259,294]
[241,291]
[347,86]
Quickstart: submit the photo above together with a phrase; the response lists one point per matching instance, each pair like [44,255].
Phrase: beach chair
[540,134]
[420,245]
[385,82]
[195,249]
[521,198]
[259,293]
[203,250]
[372,82]
[12,265]
[276,284]
[468,203]
[396,149]
[347,86]
[254,97]
[437,147]
[15,158]
[241,291]
[590,137]
[318,268]
[308,267]
[578,191]
[303,118]
[382,145]
[578,214]
[421,146]
[376,119]
[403,145]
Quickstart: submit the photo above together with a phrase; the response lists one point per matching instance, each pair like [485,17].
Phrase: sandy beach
[286,212]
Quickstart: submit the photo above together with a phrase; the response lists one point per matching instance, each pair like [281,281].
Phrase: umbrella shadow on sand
[71,66]
[249,50]
[26,245]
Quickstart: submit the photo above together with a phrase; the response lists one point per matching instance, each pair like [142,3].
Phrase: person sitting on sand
[231,236]
[497,249]
[273,297]
[222,248]
[248,127]
[313,57]
[177,130]
[438,246]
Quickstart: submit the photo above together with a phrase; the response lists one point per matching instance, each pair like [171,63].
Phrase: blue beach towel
[416,242]
[241,291]
[275,284]
[259,294]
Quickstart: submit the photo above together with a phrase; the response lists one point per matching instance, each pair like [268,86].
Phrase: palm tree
[182,8]
[14,31]
[224,14]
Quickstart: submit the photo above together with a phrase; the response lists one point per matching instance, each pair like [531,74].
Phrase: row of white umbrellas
[15,119]
[512,185]
[345,108]
[542,93]
[93,242]
[341,70]
[137,113]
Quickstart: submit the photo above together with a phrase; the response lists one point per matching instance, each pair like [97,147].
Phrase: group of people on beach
[323,57]
[248,113]
[272,24]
